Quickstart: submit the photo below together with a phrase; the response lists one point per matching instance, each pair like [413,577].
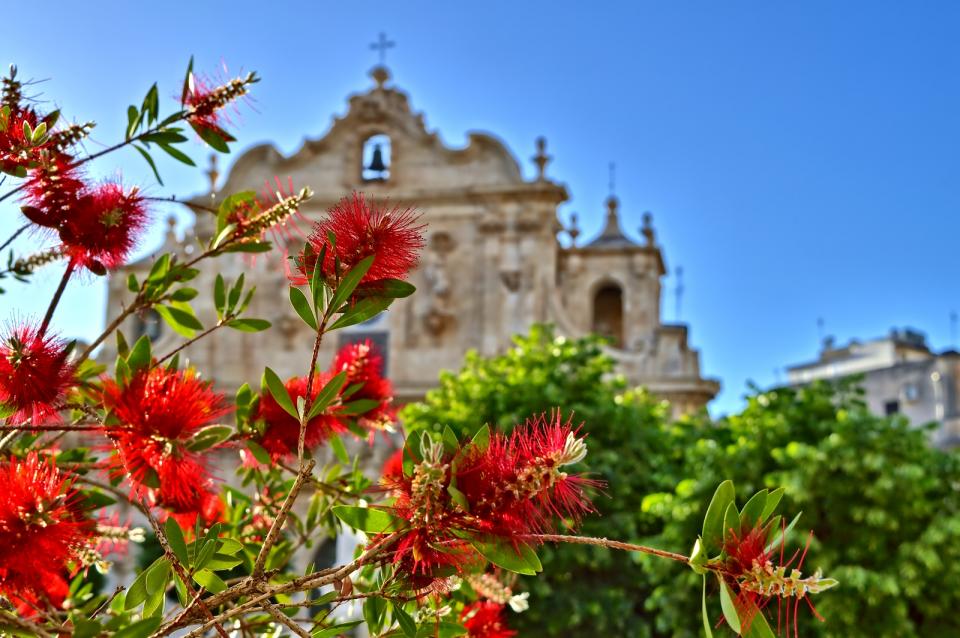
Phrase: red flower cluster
[485,619]
[17,151]
[42,531]
[158,412]
[361,230]
[34,374]
[281,435]
[756,580]
[512,487]
[362,364]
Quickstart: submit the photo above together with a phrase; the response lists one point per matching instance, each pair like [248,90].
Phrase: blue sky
[801,160]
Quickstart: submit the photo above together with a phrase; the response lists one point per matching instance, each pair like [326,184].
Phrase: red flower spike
[159,412]
[361,230]
[42,531]
[104,227]
[362,363]
[34,375]
[485,619]
[17,152]
[755,580]
[282,434]
[53,192]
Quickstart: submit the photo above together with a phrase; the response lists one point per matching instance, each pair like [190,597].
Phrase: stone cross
[381,46]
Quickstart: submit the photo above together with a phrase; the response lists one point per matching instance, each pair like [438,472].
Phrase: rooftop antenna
[678,291]
[381,46]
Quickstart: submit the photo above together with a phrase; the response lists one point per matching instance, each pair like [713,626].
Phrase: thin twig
[14,235]
[603,542]
[56,297]
[282,619]
[23,623]
[280,519]
[188,342]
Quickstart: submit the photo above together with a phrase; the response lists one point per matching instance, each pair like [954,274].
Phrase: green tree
[582,590]
[883,506]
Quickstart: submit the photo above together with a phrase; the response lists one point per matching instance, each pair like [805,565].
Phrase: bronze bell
[376,162]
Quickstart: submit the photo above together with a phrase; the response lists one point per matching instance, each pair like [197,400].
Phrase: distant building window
[376,159]
[608,313]
[891,407]
[148,324]
[911,393]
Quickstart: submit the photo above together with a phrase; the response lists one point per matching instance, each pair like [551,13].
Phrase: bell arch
[376,157]
[607,312]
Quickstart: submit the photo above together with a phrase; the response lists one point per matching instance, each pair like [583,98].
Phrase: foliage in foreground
[452,518]
[883,505]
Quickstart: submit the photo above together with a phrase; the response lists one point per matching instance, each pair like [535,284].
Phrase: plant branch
[186,343]
[280,520]
[56,297]
[14,235]
[282,619]
[603,542]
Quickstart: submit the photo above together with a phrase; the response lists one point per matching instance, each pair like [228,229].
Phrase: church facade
[493,263]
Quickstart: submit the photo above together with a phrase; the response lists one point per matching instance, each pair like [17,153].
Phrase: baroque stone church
[492,266]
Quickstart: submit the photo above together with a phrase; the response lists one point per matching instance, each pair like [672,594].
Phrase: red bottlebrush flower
[34,374]
[281,436]
[208,507]
[53,192]
[104,227]
[363,364]
[517,485]
[393,466]
[362,230]
[17,152]
[159,412]
[485,619]
[755,580]
[42,531]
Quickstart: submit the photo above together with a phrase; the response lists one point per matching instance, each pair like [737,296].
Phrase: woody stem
[603,542]
[56,297]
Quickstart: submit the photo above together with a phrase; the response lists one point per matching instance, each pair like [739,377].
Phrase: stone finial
[380,75]
[647,229]
[574,229]
[541,159]
[212,173]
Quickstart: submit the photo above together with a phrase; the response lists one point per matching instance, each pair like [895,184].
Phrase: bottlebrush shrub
[444,531]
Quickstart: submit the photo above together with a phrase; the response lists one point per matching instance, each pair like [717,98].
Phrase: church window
[608,313]
[376,159]
[148,324]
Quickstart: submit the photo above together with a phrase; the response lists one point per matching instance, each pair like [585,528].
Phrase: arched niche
[607,318]
[376,157]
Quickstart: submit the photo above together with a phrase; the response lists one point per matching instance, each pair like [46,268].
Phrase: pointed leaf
[300,303]
[279,392]
[368,519]
[713,521]
[349,282]
[729,608]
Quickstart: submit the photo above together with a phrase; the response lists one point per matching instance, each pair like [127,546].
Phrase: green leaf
[151,104]
[146,156]
[458,497]
[393,288]
[132,284]
[731,521]
[231,203]
[133,122]
[753,511]
[219,294]
[209,437]
[713,521]
[360,406]
[521,559]
[336,630]
[216,139]
[177,154]
[300,303]
[157,576]
[140,629]
[781,535]
[234,295]
[279,392]
[262,456]
[249,325]
[326,395]
[773,499]
[209,581]
[708,632]
[340,450]
[184,294]
[180,320]
[367,519]
[140,356]
[729,608]
[373,610]
[361,311]
[177,543]
[481,440]
[758,627]
[407,626]
[349,282]
[698,557]
[137,592]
